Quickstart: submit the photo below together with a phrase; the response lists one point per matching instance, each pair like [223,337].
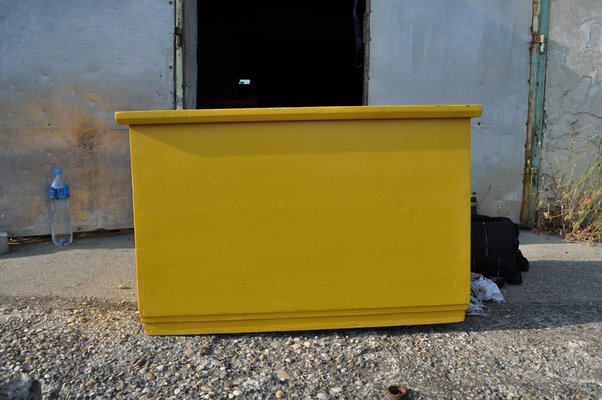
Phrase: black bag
[494,248]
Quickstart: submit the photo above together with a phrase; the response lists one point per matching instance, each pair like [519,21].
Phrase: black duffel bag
[494,248]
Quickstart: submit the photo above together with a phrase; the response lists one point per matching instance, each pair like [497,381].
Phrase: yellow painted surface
[291,219]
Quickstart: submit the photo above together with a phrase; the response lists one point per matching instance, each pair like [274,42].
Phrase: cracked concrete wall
[66,67]
[573,97]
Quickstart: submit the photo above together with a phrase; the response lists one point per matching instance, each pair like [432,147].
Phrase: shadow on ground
[44,245]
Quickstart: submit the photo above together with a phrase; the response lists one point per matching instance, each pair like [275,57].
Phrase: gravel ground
[91,349]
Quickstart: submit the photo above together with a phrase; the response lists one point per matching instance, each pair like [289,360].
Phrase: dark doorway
[269,53]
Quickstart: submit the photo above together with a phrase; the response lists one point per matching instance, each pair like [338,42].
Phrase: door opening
[266,53]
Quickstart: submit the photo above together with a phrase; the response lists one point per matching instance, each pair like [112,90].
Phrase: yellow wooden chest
[301,218]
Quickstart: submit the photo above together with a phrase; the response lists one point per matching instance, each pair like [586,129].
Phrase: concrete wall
[462,51]
[573,99]
[66,67]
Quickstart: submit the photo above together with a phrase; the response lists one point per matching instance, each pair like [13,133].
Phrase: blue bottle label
[58,194]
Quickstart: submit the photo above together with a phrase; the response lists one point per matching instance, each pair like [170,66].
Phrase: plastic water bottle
[60,222]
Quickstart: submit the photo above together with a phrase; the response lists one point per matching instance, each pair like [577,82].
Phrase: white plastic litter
[475,307]
[482,289]
[486,288]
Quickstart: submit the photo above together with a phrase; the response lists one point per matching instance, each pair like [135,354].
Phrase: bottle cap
[58,171]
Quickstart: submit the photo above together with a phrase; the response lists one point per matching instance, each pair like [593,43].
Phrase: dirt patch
[87,132]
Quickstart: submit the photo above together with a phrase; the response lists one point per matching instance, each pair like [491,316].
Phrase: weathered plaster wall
[66,67]
[573,99]
[462,51]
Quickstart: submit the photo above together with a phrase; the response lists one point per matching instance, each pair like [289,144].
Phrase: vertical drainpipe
[537,83]
[179,54]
